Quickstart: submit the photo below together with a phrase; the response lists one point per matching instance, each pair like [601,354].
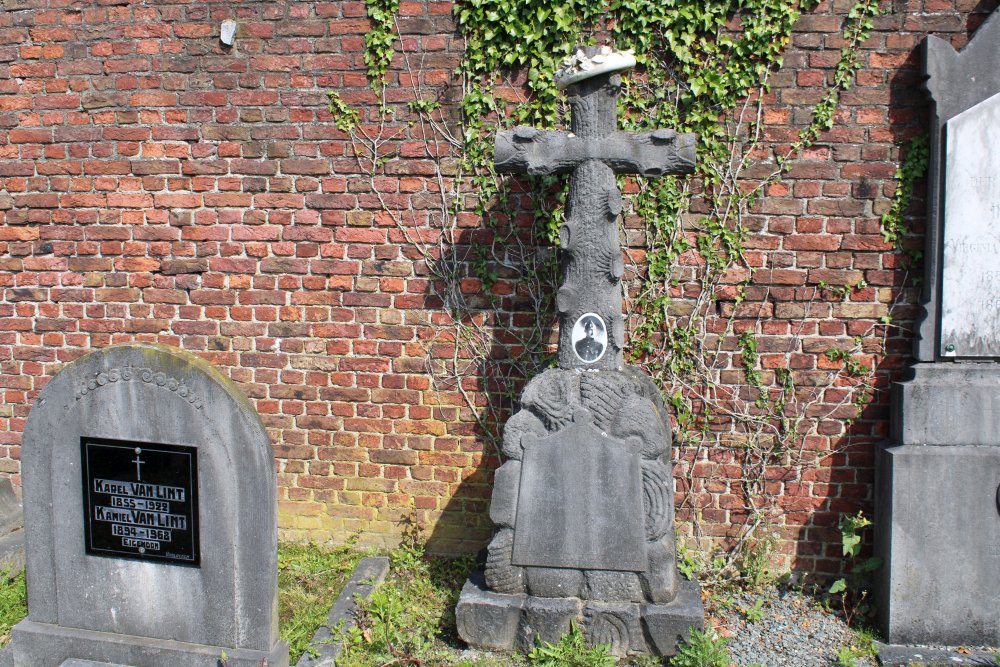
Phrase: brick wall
[158,186]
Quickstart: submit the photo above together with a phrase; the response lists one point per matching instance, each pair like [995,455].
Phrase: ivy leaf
[852,544]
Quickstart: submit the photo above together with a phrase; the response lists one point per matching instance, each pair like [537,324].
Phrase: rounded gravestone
[150,507]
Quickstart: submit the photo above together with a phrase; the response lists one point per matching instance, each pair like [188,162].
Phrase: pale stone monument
[937,503]
[584,504]
[150,515]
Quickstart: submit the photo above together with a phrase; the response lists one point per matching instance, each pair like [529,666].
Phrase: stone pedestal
[50,644]
[937,520]
[507,622]
[938,533]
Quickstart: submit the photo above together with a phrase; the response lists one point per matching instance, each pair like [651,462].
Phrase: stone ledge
[498,621]
[45,645]
[947,404]
[367,576]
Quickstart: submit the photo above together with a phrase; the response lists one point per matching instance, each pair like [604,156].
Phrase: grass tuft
[310,577]
[13,602]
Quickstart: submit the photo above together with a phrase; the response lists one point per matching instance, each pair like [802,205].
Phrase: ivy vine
[379,40]
[705,66]
[913,168]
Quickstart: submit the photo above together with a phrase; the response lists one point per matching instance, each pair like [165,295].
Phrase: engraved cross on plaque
[138,464]
[590,300]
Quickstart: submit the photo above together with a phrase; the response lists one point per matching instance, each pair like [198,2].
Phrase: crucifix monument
[584,503]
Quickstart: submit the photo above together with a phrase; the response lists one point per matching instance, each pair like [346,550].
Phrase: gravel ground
[785,629]
[778,627]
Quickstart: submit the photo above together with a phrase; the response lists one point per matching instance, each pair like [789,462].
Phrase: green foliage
[703,649]
[571,650]
[704,67]
[750,358]
[344,117]
[422,106]
[852,366]
[913,167]
[379,39]
[483,269]
[863,646]
[689,562]
[859,27]
[402,621]
[849,526]
[309,579]
[847,656]
[754,561]
[754,613]
[853,586]
[527,35]
[13,602]
[384,611]
[841,291]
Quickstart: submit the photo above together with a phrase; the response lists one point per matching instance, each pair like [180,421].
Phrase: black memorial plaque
[140,500]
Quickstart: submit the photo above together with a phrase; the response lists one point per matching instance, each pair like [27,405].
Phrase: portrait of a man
[590,338]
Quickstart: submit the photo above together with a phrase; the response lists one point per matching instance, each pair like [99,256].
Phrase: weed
[689,562]
[385,609]
[703,649]
[13,602]
[863,646]
[753,561]
[411,618]
[755,613]
[847,656]
[852,589]
[571,651]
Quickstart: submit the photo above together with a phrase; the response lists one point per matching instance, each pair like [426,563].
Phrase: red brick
[154,186]
[153,99]
[29,136]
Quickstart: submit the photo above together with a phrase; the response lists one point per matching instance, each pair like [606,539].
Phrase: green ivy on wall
[705,66]
[379,40]
[913,168]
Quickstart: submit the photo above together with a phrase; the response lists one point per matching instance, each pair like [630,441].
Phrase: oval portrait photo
[590,338]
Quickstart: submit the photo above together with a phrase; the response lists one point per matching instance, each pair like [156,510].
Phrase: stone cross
[589,300]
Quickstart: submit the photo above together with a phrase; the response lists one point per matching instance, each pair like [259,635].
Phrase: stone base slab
[45,645]
[893,655]
[937,531]
[498,621]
